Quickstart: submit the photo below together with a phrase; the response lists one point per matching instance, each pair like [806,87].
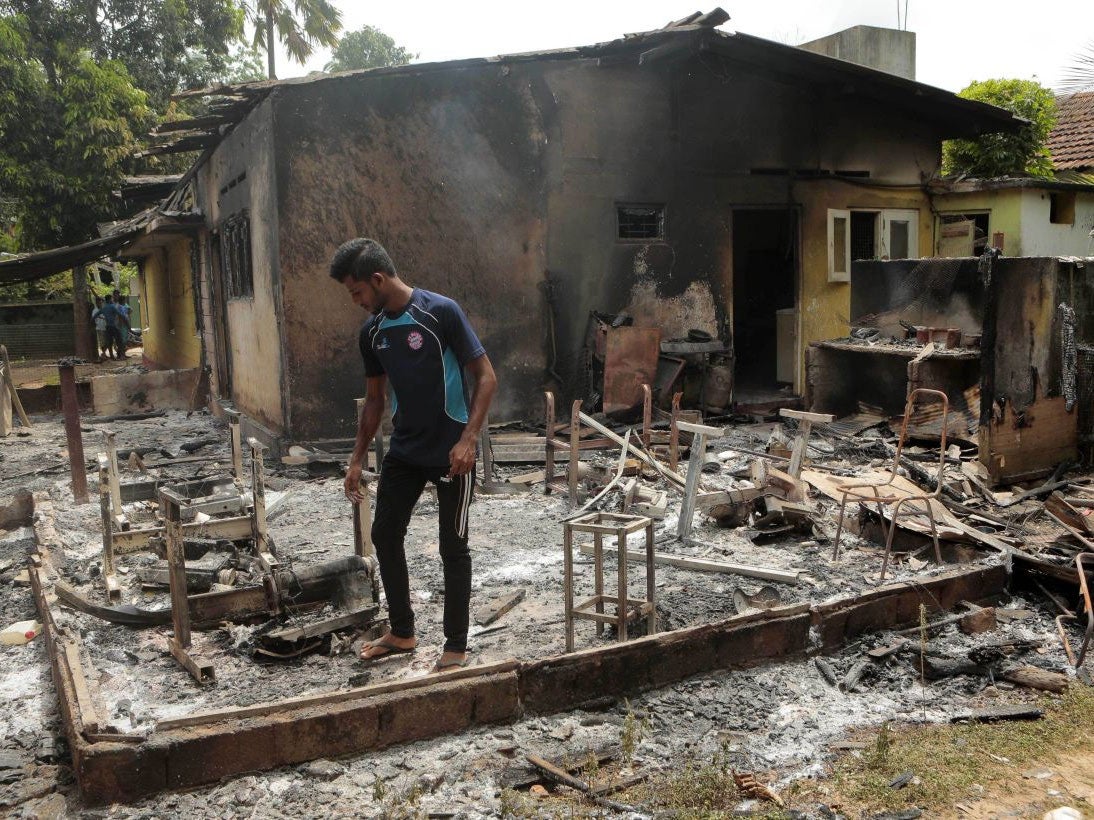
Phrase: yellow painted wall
[170,337]
[1005,206]
[825,307]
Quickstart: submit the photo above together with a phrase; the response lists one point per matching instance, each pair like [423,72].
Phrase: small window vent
[641,221]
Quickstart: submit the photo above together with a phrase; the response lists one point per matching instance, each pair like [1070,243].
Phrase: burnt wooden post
[110,439]
[71,407]
[801,443]
[647,415]
[362,510]
[84,333]
[575,448]
[258,519]
[487,448]
[674,433]
[237,447]
[201,670]
[110,577]
[699,433]
[9,380]
[549,450]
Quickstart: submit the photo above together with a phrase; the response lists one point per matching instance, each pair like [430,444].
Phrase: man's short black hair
[360,258]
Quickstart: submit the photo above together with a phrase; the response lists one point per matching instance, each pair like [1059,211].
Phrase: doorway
[765,297]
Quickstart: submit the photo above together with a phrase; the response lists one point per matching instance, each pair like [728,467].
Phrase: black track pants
[401,485]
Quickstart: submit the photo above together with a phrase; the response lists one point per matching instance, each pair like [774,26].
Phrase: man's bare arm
[367,425]
[462,457]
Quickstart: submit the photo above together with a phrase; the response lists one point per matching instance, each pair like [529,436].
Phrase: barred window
[640,221]
[235,255]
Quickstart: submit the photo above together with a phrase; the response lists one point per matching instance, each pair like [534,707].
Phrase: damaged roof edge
[973,185]
[979,117]
[959,117]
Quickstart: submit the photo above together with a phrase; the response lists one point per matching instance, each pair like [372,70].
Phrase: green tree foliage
[1019,154]
[67,132]
[165,45]
[300,26]
[367,48]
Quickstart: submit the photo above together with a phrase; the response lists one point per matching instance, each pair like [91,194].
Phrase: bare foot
[387,644]
[450,660]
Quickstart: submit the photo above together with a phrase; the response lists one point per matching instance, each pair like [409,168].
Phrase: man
[100,327]
[113,337]
[421,342]
[122,303]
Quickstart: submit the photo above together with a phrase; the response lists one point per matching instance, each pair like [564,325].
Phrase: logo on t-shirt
[415,340]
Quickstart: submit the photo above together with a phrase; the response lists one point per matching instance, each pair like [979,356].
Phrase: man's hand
[461,458]
[352,484]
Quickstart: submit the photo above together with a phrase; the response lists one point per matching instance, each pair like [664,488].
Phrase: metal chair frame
[872,493]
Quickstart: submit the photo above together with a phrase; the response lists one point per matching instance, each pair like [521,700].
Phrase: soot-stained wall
[446,171]
[485,181]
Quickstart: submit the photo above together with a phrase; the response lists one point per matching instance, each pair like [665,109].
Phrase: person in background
[113,337]
[100,328]
[122,303]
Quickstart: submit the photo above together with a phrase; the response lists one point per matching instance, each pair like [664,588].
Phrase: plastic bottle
[20,633]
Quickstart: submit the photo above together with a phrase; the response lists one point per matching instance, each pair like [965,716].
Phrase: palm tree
[1079,75]
[301,25]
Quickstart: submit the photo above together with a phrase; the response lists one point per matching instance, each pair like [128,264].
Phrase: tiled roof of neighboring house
[1071,142]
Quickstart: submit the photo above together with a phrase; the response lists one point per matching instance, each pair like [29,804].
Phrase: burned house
[692,179]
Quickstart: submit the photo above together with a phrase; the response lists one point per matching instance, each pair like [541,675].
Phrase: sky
[957,41]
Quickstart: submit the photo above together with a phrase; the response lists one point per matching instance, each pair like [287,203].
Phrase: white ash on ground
[777,719]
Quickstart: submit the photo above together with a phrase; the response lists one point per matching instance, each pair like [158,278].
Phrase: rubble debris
[125,614]
[703,565]
[801,443]
[1034,677]
[748,785]
[978,621]
[8,393]
[766,598]
[557,775]
[498,607]
[826,670]
[855,674]
[19,512]
[997,713]
[300,638]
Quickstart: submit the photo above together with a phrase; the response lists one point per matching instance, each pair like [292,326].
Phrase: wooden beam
[641,456]
[700,565]
[360,693]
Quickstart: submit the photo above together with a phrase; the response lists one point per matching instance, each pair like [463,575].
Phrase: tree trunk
[270,42]
[81,314]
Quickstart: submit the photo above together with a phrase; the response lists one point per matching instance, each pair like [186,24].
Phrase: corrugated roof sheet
[1071,142]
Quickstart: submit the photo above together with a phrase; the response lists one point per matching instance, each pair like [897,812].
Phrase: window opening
[641,221]
[863,235]
[1061,208]
[235,254]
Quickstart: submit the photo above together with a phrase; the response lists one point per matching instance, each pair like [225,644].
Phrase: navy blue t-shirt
[423,350]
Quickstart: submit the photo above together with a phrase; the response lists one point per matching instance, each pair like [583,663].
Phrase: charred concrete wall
[1036,310]
[487,181]
[239,178]
[705,137]
[446,170]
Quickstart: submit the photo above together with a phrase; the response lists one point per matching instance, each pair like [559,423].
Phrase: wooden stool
[601,524]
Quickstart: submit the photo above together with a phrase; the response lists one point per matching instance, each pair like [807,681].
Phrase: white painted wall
[1040,237]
